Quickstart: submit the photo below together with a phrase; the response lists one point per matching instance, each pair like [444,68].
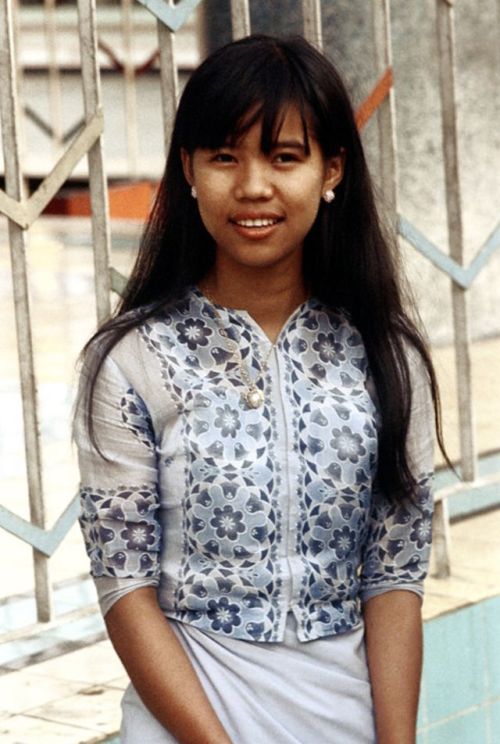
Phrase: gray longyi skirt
[316,692]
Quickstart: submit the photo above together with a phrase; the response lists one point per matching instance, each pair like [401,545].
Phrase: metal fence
[72,146]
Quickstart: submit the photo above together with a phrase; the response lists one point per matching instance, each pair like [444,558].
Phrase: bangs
[221,106]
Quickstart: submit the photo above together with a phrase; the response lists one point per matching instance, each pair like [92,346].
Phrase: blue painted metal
[46,541]
[484,253]
[463,276]
[76,632]
[473,500]
[173,16]
[419,241]
[474,497]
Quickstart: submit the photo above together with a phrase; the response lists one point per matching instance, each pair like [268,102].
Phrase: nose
[254,182]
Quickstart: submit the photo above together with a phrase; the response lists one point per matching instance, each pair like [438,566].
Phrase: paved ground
[71,699]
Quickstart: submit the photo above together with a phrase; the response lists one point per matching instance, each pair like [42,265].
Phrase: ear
[187,166]
[334,170]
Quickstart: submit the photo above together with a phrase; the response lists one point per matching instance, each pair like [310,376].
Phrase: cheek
[212,201]
[310,216]
[309,190]
[307,210]
[309,200]
[207,217]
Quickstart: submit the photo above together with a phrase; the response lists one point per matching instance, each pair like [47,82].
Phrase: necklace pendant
[254,397]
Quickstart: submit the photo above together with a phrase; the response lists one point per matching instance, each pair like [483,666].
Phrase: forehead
[287,124]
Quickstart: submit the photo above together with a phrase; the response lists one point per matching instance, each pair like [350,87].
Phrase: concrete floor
[71,699]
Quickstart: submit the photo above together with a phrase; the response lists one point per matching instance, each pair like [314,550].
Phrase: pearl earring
[329,195]
[194,193]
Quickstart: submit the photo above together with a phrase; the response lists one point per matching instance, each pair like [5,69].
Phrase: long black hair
[350,260]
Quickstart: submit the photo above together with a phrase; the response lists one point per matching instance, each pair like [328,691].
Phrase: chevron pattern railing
[22,212]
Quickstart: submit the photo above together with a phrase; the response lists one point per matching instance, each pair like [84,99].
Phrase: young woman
[255,429]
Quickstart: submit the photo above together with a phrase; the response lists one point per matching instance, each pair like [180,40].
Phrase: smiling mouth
[259,222]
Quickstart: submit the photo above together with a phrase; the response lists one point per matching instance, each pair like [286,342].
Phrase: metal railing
[21,210]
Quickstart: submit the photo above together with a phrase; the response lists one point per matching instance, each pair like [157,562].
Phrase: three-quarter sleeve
[119,488]
[397,546]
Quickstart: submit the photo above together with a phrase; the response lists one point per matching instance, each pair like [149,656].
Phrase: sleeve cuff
[110,589]
[367,594]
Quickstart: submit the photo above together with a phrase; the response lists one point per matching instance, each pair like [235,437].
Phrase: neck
[270,297]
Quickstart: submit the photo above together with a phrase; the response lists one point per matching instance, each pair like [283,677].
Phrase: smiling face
[259,206]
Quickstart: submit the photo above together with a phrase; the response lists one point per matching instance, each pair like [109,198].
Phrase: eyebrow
[286,144]
[290,144]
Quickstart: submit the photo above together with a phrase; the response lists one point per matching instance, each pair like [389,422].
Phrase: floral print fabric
[240,515]
[120,531]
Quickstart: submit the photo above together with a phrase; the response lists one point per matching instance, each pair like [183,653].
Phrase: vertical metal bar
[9,112]
[386,115]
[313,29]
[97,178]
[130,89]
[54,75]
[21,132]
[441,538]
[446,41]
[169,80]
[240,18]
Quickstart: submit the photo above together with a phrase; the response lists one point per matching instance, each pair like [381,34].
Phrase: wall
[460,702]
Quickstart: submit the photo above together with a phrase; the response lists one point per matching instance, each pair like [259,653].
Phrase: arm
[393,629]
[121,521]
[395,563]
[160,669]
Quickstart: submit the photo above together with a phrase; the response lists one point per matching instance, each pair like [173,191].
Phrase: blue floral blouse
[239,515]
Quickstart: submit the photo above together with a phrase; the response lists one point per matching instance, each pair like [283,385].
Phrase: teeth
[256,223]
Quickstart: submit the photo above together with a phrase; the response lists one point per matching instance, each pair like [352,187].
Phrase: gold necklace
[253,395]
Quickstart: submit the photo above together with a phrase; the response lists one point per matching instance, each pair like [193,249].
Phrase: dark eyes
[223,157]
[286,157]
[278,157]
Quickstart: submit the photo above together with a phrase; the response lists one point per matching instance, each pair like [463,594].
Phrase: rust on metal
[375,98]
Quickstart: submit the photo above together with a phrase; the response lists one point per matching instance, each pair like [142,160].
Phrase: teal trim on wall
[19,612]
[494,722]
[467,503]
[454,663]
[467,729]
[492,646]
[423,718]
[460,698]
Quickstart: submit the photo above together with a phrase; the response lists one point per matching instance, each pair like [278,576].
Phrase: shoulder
[133,351]
[128,336]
